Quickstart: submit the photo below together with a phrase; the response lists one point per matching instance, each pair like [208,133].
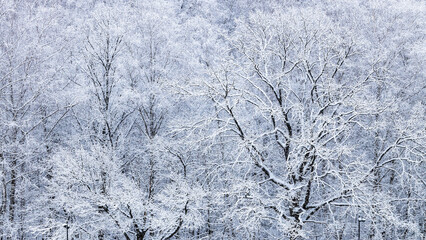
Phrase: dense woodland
[212,119]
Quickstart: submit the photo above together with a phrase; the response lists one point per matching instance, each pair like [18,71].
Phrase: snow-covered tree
[212,119]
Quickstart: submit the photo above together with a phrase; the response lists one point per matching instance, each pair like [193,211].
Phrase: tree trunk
[12,195]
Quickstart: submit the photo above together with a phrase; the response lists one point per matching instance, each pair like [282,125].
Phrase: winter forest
[212,119]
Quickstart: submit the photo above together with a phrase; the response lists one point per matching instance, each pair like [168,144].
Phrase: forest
[213,119]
